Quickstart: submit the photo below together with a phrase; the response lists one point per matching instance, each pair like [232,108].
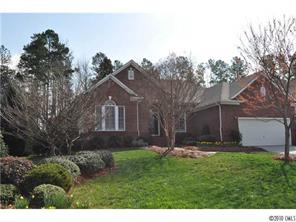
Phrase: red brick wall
[121,97]
[208,117]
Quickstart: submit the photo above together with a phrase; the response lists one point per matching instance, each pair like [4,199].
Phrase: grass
[225,180]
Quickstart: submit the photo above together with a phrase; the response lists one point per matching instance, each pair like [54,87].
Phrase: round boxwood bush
[105,155]
[69,165]
[50,173]
[13,169]
[8,193]
[48,195]
[89,163]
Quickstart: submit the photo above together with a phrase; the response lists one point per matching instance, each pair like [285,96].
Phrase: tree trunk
[287,143]
[171,145]
[52,150]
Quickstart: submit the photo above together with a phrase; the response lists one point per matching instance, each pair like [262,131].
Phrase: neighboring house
[223,109]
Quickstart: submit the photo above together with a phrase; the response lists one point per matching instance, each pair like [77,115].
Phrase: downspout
[220,122]
[138,128]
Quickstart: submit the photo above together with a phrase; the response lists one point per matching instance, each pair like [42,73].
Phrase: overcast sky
[209,29]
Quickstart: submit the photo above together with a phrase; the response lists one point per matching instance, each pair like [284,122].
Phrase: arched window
[110,102]
[263,91]
[110,117]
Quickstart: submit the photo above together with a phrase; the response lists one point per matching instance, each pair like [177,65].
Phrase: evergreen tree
[223,72]
[220,71]
[45,58]
[147,65]
[6,73]
[117,65]
[238,67]
[101,65]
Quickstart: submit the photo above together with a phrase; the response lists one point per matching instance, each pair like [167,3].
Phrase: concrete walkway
[278,149]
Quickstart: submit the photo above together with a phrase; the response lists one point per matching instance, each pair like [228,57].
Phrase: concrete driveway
[278,149]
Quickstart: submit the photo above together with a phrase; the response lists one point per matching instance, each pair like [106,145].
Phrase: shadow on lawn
[288,170]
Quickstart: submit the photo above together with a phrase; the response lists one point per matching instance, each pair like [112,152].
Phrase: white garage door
[261,132]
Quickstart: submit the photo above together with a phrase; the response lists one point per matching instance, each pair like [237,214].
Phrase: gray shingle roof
[238,85]
[224,92]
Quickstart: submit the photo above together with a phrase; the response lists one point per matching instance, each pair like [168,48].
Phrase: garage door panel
[261,132]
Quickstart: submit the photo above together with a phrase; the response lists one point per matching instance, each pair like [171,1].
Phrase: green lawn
[225,180]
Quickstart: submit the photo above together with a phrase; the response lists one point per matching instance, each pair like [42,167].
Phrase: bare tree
[271,49]
[82,76]
[30,112]
[176,92]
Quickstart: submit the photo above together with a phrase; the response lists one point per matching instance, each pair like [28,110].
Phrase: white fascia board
[243,89]
[117,81]
[122,85]
[131,62]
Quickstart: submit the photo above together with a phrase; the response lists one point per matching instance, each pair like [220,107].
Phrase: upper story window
[131,74]
[262,91]
[110,117]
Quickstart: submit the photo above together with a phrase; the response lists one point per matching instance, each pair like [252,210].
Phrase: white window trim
[103,129]
[158,128]
[185,125]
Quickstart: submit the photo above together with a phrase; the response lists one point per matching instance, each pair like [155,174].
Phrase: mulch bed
[83,179]
[292,157]
[200,151]
[181,152]
[230,149]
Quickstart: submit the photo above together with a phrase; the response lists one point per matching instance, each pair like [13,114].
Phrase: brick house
[223,109]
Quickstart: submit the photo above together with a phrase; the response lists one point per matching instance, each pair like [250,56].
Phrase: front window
[110,117]
[155,125]
[181,124]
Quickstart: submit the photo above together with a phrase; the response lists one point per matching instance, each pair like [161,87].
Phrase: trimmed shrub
[3,147]
[8,193]
[115,142]
[127,141]
[185,139]
[67,164]
[88,162]
[207,138]
[236,136]
[91,142]
[13,169]
[50,173]
[105,155]
[139,142]
[48,195]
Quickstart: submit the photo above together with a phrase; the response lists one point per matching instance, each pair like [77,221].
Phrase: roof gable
[126,65]
[117,81]
[240,85]
[112,77]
